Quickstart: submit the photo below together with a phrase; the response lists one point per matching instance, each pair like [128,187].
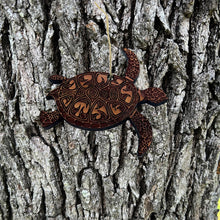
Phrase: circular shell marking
[91,101]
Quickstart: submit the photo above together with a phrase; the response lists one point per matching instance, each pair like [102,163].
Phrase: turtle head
[153,96]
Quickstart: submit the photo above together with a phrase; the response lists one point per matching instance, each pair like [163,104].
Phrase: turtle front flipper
[57,79]
[153,96]
[50,119]
[133,67]
[144,131]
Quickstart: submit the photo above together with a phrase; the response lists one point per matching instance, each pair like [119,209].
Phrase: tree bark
[68,173]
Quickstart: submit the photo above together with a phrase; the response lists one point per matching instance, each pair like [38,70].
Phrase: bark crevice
[56,50]
[8,79]
[8,214]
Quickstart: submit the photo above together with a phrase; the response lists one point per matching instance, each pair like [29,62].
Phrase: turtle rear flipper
[144,132]
[133,67]
[50,119]
[57,79]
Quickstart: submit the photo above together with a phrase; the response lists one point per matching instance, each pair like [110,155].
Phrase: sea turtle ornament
[92,101]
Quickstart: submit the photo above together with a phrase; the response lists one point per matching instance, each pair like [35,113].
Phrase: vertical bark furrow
[102,211]
[17,109]
[8,79]
[60,182]
[42,212]
[6,209]
[130,26]
[46,6]
[56,50]
[121,158]
[84,34]
[141,182]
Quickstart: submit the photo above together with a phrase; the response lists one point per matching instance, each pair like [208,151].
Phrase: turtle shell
[92,101]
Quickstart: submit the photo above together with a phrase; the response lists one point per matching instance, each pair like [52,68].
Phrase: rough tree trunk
[68,173]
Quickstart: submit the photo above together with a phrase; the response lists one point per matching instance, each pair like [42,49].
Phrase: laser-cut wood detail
[92,101]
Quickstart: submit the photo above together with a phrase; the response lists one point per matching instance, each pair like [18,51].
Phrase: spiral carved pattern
[91,101]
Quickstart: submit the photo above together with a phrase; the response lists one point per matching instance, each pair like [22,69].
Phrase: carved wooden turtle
[93,102]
